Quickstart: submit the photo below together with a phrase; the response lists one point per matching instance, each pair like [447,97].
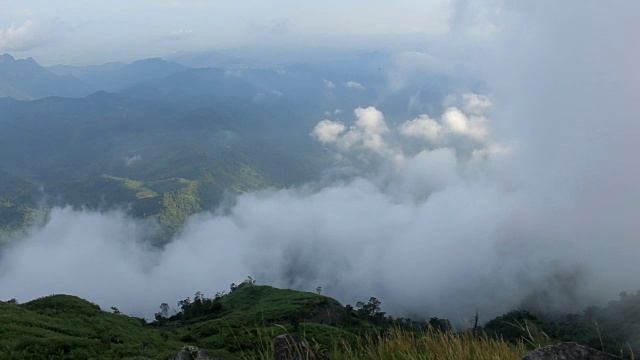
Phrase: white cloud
[130,160]
[329,84]
[181,34]
[327,131]
[423,126]
[478,20]
[31,35]
[371,122]
[457,122]
[19,37]
[475,104]
[468,135]
[367,133]
[355,85]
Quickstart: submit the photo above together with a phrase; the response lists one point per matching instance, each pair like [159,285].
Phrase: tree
[115,310]
[370,310]
[198,298]
[184,304]
[438,324]
[164,309]
[319,289]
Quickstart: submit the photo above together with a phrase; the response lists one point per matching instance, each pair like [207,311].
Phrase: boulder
[568,351]
[194,353]
[292,347]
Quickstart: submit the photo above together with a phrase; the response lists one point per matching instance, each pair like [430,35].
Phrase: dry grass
[430,345]
[400,344]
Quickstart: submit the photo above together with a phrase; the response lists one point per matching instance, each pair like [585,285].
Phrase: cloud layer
[444,220]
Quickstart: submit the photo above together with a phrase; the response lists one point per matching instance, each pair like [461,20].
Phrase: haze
[520,191]
[90,32]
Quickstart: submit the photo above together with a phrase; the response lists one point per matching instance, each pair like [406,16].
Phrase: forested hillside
[107,150]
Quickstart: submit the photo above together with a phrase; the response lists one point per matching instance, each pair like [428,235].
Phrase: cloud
[367,133]
[329,84]
[422,127]
[181,34]
[475,104]
[19,37]
[130,160]
[551,224]
[455,121]
[355,85]
[439,235]
[271,30]
[30,35]
[467,134]
[335,112]
[411,67]
[478,20]
[327,131]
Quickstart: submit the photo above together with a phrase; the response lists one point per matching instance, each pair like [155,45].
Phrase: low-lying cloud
[440,234]
[532,203]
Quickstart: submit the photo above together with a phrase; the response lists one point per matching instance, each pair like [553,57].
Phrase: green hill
[238,325]
[67,327]
[243,323]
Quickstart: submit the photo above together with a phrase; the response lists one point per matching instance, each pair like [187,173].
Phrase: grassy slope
[63,326]
[67,327]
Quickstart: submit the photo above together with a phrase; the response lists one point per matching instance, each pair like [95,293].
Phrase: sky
[65,31]
[544,212]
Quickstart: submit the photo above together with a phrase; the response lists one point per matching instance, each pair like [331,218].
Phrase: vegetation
[241,324]
[67,327]
[158,161]
[174,142]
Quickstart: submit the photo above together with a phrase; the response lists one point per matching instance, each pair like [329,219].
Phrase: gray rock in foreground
[193,353]
[568,351]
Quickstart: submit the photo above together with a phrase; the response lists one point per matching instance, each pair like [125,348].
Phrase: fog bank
[532,201]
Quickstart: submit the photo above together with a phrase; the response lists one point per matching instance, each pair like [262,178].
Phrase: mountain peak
[6,58]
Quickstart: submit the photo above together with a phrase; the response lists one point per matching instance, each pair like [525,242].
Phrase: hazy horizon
[77,32]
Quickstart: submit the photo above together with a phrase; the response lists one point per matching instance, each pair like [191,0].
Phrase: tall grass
[399,344]
[430,345]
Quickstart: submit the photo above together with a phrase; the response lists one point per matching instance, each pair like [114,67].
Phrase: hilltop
[231,325]
[242,324]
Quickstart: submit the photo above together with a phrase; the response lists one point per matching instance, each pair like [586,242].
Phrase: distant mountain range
[117,76]
[24,79]
[164,160]
[166,140]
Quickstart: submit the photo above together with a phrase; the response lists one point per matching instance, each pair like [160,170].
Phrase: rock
[292,347]
[193,353]
[568,351]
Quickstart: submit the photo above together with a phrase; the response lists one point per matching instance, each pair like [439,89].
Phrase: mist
[523,197]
